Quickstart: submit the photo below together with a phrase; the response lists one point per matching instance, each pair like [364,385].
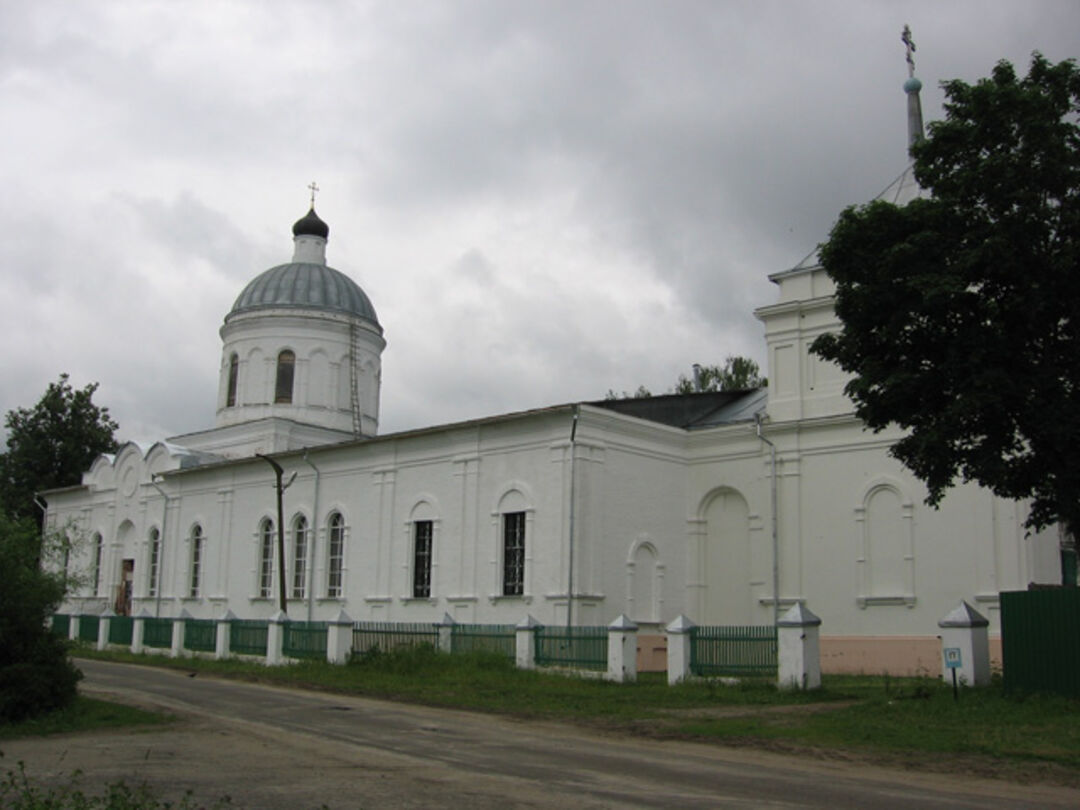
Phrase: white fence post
[339,638]
[178,633]
[73,627]
[104,622]
[275,638]
[622,650]
[965,645]
[138,631]
[799,650]
[525,643]
[678,649]
[223,635]
[445,627]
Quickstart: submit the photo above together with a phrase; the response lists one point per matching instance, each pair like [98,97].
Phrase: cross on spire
[314,189]
[905,37]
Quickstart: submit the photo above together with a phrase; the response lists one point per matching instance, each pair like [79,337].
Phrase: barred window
[155,562]
[422,534]
[513,553]
[283,386]
[300,552]
[196,560]
[234,367]
[266,558]
[335,555]
[98,546]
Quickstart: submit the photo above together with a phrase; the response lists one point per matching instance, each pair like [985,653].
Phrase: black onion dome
[311,225]
[305,285]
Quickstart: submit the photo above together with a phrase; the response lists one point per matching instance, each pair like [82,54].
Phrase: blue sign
[952,658]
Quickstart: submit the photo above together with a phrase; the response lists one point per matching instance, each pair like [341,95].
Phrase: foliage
[737,374]
[641,393]
[51,445]
[84,714]
[959,310]
[35,673]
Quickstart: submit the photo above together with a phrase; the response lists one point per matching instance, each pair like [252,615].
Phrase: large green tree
[961,310]
[737,374]
[51,445]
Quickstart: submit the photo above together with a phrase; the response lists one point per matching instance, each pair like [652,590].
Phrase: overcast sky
[543,200]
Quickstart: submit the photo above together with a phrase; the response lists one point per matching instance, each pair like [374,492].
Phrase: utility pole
[280,488]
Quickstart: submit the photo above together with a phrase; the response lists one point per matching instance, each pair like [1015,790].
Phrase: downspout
[161,548]
[314,537]
[775,532]
[570,561]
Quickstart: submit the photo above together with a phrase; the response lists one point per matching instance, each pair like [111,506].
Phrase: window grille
[300,551]
[98,544]
[155,561]
[422,534]
[513,554]
[196,559]
[266,559]
[335,556]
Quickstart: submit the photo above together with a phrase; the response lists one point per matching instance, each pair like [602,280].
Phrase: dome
[311,225]
[305,285]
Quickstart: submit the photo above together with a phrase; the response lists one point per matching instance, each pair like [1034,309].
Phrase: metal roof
[305,285]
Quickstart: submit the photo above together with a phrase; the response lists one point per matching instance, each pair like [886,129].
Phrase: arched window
[266,558]
[283,387]
[155,562]
[300,552]
[196,560]
[234,368]
[98,546]
[335,555]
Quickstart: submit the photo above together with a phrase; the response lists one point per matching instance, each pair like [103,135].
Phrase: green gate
[573,647]
[305,640]
[1040,641]
[248,636]
[200,635]
[733,650]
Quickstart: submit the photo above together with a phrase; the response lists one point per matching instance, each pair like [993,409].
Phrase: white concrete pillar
[622,650]
[339,638]
[965,646]
[223,635]
[178,633]
[678,649]
[138,631]
[446,633]
[103,628]
[799,649]
[525,643]
[275,639]
[73,627]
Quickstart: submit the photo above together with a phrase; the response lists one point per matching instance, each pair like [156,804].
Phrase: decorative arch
[885,555]
[724,560]
[318,386]
[512,522]
[644,581]
[421,530]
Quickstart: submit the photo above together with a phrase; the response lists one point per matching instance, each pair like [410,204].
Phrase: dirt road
[275,748]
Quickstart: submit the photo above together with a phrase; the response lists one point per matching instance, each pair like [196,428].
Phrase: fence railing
[305,640]
[120,630]
[248,636]
[200,635]
[388,636]
[61,625]
[88,628]
[157,633]
[496,638]
[733,650]
[1040,631]
[573,647]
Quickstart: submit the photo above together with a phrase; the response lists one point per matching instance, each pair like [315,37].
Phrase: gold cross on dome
[905,37]
[314,188]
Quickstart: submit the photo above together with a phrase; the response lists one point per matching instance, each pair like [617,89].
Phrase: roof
[692,411]
[305,285]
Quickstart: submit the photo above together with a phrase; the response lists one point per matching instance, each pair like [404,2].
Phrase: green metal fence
[61,625]
[248,636]
[305,640]
[496,638]
[200,635]
[120,629]
[157,633]
[88,628]
[574,647]
[1040,641]
[387,636]
[733,650]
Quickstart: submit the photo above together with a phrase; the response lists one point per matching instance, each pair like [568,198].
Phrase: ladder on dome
[354,377]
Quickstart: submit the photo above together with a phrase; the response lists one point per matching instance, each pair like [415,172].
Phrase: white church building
[726,507]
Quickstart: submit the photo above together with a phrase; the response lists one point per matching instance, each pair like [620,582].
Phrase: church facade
[726,507]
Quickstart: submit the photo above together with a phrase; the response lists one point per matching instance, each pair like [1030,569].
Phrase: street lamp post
[280,488]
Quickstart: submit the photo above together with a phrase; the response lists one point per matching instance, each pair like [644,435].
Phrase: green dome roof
[304,285]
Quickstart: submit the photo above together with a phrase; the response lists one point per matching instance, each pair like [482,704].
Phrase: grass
[85,714]
[914,722]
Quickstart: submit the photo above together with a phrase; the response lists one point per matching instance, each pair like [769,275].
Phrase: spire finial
[909,43]
[314,189]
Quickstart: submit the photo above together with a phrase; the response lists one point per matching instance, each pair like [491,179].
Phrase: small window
[196,560]
[234,368]
[155,562]
[283,388]
[266,558]
[422,533]
[335,555]
[513,553]
[98,547]
[300,552]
